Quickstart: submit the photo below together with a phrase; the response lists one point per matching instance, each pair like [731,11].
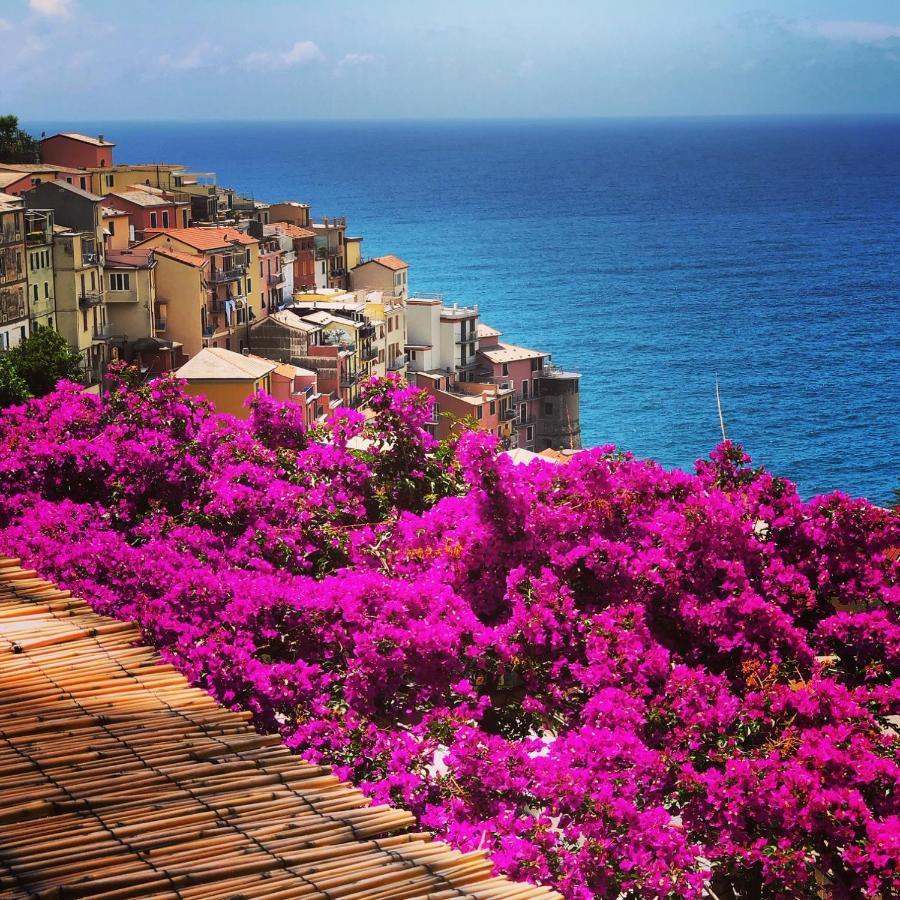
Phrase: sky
[385,59]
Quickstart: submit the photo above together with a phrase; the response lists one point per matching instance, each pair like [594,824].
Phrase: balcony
[89,299]
[326,252]
[349,379]
[275,279]
[90,258]
[507,415]
[399,362]
[471,339]
[34,238]
[369,355]
[222,276]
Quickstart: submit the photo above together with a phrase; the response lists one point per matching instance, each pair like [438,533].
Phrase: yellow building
[131,294]
[116,228]
[182,297]
[234,292]
[228,380]
[39,260]
[353,246]
[106,179]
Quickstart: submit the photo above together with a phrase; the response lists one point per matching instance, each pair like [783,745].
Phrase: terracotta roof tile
[205,238]
[391,262]
[191,259]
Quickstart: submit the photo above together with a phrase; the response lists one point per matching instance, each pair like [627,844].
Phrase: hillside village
[169,271]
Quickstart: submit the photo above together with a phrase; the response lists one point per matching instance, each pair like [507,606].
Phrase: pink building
[270,271]
[300,386]
[150,210]
[487,405]
[80,151]
[519,368]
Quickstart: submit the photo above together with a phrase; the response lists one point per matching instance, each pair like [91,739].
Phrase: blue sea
[650,255]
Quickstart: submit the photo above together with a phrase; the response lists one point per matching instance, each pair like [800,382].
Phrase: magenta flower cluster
[617,679]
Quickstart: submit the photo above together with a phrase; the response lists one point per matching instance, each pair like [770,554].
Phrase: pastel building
[14,324]
[227,379]
[233,292]
[304,263]
[388,274]
[39,258]
[80,151]
[439,336]
[150,210]
[78,258]
[463,404]
[546,398]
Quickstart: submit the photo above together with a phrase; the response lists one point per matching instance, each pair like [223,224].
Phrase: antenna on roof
[719,408]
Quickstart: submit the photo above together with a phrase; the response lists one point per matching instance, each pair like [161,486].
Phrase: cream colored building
[39,260]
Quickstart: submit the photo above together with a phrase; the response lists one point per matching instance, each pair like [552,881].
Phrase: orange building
[80,151]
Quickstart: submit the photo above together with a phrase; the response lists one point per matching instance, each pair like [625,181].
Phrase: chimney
[100,138]
[246,351]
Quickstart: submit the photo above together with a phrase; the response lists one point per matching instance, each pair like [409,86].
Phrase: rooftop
[65,186]
[389,262]
[84,138]
[190,259]
[142,198]
[41,167]
[483,330]
[218,238]
[8,178]
[216,809]
[218,364]
[10,201]
[504,353]
[289,320]
[137,258]
[287,228]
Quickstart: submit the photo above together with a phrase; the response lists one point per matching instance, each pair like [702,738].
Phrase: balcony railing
[275,278]
[325,252]
[221,276]
[369,355]
[89,299]
[398,363]
[33,238]
[507,415]
[348,379]
[471,339]
[90,258]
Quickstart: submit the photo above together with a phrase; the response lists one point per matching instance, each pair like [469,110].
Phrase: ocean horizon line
[622,117]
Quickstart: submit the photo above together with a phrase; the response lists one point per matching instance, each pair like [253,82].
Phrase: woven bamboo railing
[118,779]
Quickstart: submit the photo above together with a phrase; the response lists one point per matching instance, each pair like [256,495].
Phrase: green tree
[44,358]
[12,386]
[16,146]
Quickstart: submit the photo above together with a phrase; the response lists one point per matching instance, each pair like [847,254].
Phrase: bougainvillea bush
[616,679]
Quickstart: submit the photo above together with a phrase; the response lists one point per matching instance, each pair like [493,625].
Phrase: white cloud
[852,31]
[201,55]
[52,9]
[357,59]
[300,54]
[5,25]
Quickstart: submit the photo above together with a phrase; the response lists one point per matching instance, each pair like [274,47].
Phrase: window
[184,223]
[525,389]
[112,227]
[109,180]
[529,433]
[479,411]
[548,409]
[165,216]
[84,320]
[46,288]
[153,220]
[493,407]
[249,285]
[412,355]
[83,183]
[35,292]
[119,281]
[504,369]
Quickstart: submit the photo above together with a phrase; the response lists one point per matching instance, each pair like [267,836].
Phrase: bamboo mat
[118,779]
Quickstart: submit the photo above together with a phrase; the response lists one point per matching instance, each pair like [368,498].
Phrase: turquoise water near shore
[649,255]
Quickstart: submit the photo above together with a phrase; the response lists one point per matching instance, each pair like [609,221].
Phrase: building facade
[14,324]
[39,246]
